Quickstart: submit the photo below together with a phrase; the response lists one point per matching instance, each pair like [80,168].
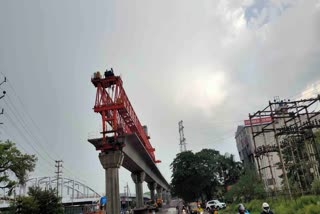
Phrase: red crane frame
[118,115]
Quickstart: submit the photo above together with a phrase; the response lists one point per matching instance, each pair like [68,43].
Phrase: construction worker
[266,208]
[215,210]
[242,209]
[200,210]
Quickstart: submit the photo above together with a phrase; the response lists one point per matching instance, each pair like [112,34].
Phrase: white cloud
[312,90]
[203,89]
[267,59]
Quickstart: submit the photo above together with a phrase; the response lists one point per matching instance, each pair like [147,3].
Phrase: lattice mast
[117,113]
[183,144]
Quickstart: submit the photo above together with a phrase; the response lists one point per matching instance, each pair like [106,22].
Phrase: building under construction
[268,163]
[281,141]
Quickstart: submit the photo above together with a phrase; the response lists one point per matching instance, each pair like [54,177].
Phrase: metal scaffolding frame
[292,124]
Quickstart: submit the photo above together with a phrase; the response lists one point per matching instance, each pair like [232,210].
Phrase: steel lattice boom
[118,115]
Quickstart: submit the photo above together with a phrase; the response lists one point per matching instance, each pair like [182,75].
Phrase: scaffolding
[291,126]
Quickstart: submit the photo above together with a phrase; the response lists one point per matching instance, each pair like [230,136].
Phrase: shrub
[315,186]
[312,209]
[309,204]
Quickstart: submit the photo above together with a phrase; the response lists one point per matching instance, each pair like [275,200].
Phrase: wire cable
[25,124]
[40,166]
[25,127]
[26,112]
[26,139]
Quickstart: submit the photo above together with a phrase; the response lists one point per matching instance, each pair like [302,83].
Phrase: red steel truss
[118,116]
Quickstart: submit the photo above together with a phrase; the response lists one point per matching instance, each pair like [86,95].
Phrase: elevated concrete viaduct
[135,158]
[124,142]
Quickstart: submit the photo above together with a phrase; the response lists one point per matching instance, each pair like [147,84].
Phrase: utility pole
[59,173]
[2,111]
[183,145]
[19,207]
[126,192]
[4,93]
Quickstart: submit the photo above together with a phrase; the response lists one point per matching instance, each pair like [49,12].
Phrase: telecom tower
[183,145]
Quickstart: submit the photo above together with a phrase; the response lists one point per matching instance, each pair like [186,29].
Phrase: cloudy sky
[208,63]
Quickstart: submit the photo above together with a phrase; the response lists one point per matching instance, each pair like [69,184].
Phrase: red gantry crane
[118,116]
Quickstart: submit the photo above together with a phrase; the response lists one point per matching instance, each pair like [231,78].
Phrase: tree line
[208,174]
[203,175]
[14,170]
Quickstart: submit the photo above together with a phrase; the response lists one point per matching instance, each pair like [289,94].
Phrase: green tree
[297,161]
[203,174]
[27,205]
[209,170]
[185,180]
[248,187]
[39,201]
[231,170]
[14,166]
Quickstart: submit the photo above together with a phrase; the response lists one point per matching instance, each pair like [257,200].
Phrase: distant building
[244,144]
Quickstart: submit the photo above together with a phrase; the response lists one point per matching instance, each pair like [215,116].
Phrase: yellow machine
[159,202]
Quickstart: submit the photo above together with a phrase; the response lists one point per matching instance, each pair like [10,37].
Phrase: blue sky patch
[262,12]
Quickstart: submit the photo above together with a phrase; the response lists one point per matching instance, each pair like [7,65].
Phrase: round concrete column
[164,196]
[159,192]
[111,162]
[138,178]
[152,186]
[167,196]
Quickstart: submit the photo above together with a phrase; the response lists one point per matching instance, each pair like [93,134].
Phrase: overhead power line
[26,130]
[41,167]
[27,139]
[19,118]
[29,116]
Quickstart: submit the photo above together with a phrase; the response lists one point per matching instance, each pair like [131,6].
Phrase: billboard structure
[258,121]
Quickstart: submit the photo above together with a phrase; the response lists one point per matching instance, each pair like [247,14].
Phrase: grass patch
[303,205]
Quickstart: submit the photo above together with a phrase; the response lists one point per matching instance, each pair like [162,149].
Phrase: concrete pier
[152,186]
[159,193]
[138,178]
[111,162]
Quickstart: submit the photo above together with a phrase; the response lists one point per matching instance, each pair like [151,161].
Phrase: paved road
[170,209]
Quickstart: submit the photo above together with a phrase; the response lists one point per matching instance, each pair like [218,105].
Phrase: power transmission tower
[59,173]
[183,145]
